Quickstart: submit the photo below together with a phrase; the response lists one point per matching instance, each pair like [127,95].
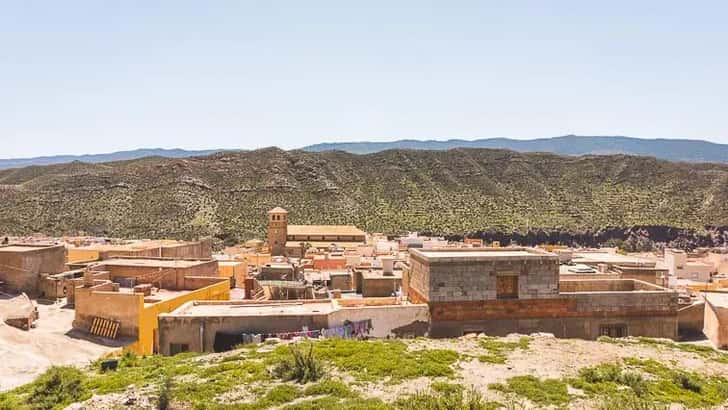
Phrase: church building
[284,239]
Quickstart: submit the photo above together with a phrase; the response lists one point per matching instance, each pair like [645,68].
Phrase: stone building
[517,290]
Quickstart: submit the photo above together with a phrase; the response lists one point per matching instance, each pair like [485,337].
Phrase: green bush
[165,393]
[383,360]
[58,387]
[301,367]
[688,382]
[448,398]
[543,392]
[330,387]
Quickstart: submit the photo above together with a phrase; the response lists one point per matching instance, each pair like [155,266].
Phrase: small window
[175,348]
[613,330]
[507,287]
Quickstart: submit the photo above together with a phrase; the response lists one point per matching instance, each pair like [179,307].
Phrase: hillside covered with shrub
[469,373]
[458,191]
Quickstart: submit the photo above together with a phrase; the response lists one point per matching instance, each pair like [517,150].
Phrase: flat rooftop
[609,258]
[160,295]
[153,263]
[718,299]
[480,254]
[319,230]
[378,274]
[23,248]
[234,308]
[324,244]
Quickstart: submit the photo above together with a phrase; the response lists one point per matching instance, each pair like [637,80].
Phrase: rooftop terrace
[236,308]
[480,254]
[151,262]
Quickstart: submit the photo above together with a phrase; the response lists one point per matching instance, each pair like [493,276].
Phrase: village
[82,298]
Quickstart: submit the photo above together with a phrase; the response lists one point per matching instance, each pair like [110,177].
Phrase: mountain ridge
[663,148]
[226,195]
[6,163]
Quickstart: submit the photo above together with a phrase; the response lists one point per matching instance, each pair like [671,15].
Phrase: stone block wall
[476,280]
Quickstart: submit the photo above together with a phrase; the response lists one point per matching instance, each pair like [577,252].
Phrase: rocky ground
[473,372]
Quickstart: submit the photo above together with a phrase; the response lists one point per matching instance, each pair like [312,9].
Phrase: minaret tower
[277,231]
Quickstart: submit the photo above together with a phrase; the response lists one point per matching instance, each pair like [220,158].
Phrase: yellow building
[237,270]
[105,309]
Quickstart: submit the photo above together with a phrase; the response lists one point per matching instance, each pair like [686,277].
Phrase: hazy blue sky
[99,76]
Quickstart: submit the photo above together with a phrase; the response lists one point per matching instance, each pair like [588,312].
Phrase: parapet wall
[607,285]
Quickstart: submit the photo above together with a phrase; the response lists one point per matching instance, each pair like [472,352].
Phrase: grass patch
[628,402]
[446,397]
[677,386]
[384,360]
[609,379]
[706,352]
[335,403]
[543,392]
[330,387]
[497,348]
[58,387]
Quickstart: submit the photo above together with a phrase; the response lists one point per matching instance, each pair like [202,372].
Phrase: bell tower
[277,231]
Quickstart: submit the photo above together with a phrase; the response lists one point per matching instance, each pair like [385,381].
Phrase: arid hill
[450,192]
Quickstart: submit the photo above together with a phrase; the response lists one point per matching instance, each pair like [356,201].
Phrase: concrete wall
[649,275]
[564,327]
[342,282]
[100,301]
[579,314]
[380,287]
[199,332]
[21,271]
[237,270]
[716,325]
[151,252]
[690,320]
[139,320]
[173,279]
[719,261]
[387,320]
[148,319]
[324,263]
[201,249]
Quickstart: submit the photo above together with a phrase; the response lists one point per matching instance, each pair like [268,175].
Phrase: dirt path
[26,354]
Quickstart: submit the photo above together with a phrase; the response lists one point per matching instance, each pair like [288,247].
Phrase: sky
[80,77]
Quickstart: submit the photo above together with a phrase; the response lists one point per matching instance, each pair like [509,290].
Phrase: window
[507,287]
[175,348]
[613,330]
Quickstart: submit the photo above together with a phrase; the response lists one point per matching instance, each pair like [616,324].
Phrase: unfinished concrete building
[517,290]
[22,266]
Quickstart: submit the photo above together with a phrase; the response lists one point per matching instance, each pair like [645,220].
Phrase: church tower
[277,231]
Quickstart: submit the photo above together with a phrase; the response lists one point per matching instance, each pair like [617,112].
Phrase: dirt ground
[26,354]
